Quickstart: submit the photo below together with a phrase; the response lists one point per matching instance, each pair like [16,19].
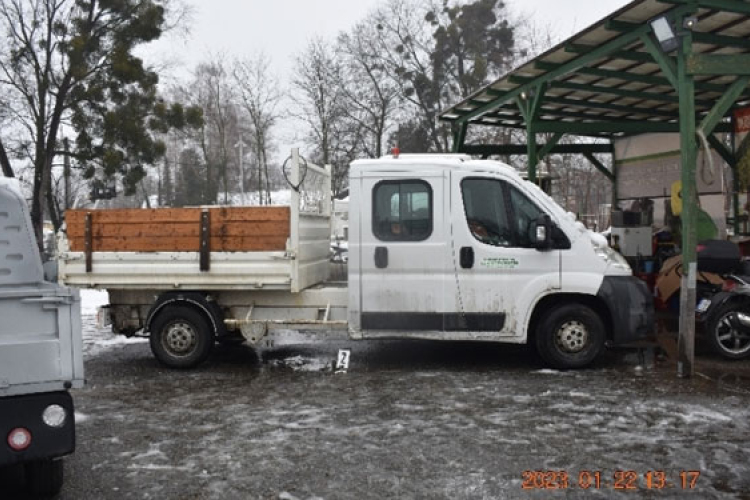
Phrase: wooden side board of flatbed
[231,229]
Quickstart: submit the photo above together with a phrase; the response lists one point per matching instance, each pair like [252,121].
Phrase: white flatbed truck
[41,354]
[441,247]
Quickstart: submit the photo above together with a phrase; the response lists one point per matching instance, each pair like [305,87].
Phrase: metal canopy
[615,78]
[612,78]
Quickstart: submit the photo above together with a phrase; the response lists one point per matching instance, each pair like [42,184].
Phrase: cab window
[402,210]
[486,211]
[524,218]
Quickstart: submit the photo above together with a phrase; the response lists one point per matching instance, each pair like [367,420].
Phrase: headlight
[54,416]
[612,257]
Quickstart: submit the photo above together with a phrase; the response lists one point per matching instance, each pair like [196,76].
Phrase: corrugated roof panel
[578,93]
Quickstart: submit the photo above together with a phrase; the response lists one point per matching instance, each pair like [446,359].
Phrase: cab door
[499,271]
[403,257]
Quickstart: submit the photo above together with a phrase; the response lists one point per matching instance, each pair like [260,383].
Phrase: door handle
[381,257]
[466,257]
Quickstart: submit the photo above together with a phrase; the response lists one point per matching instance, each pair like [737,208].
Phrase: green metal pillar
[531,152]
[530,104]
[459,137]
[688,147]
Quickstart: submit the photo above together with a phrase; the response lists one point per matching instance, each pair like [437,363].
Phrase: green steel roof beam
[552,112]
[667,65]
[640,57]
[723,151]
[698,37]
[721,40]
[600,166]
[612,127]
[521,149]
[530,102]
[599,89]
[459,136]
[723,105]
[611,107]
[718,64]
[596,53]
[545,149]
[734,6]
[607,73]
[648,79]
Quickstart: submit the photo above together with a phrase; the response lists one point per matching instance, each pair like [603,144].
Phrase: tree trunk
[5,162]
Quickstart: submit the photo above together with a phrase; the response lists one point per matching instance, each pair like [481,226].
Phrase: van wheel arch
[198,301]
[549,302]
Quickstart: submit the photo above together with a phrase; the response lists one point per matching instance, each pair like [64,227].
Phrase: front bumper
[46,442]
[631,307]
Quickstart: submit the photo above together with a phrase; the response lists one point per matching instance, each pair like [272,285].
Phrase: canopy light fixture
[665,34]
[689,22]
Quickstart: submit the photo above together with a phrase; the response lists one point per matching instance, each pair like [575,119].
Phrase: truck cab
[445,247]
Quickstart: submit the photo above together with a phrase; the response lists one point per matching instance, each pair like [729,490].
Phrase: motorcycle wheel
[725,335]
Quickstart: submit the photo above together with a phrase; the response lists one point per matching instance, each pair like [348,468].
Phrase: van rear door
[403,257]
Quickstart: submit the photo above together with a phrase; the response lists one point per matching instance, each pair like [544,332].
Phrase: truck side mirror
[543,233]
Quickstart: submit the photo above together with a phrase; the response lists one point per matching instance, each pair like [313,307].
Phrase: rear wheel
[725,334]
[570,336]
[44,478]
[181,337]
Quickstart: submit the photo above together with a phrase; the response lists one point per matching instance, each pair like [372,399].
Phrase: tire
[44,478]
[181,337]
[724,336]
[570,336]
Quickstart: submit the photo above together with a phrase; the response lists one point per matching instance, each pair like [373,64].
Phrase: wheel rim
[731,339]
[180,339]
[572,336]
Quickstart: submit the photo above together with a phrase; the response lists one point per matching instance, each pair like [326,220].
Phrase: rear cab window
[402,210]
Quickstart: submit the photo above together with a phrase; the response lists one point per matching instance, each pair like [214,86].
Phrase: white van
[441,247]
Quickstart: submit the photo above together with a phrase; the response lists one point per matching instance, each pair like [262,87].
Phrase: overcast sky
[282,28]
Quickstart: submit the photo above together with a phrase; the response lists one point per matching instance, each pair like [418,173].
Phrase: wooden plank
[250,244]
[232,229]
[182,244]
[142,215]
[138,215]
[184,229]
[249,214]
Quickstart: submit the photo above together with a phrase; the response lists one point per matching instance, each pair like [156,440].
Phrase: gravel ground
[408,420]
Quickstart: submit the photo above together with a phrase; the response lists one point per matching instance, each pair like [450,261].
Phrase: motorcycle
[725,309]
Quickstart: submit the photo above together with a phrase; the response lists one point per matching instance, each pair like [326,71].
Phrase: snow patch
[704,416]
[303,364]
[549,371]
[92,300]
[120,341]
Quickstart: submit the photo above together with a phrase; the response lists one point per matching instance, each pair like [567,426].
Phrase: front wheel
[44,478]
[570,336]
[726,334]
[181,337]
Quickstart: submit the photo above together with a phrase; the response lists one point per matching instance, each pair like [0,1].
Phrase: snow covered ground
[408,420]
[96,340]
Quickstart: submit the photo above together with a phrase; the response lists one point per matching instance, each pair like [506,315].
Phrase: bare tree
[317,92]
[260,97]
[212,89]
[371,97]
